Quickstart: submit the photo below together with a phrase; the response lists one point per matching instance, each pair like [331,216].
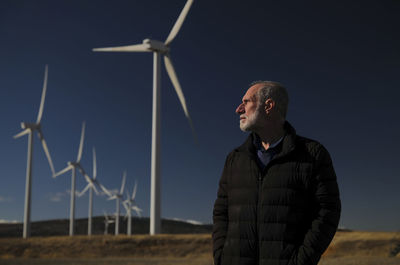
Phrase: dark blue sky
[340,61]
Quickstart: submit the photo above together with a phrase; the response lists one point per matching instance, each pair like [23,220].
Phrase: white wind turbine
[92,183]
[158,48]
[29,128]
[107,221]
[73,166]
[118,196]
[130,205]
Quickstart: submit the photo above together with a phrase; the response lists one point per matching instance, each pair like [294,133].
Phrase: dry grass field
[347,248]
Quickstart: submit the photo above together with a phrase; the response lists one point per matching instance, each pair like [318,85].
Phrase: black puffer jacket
[286,214]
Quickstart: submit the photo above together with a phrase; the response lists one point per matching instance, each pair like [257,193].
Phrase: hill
[139,226]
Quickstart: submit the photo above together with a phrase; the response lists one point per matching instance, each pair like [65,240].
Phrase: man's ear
[269,105]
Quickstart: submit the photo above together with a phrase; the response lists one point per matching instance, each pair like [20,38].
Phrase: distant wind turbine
[73,166]
[107,221]
[118,196]
[29,128]
[158,48]
[130,205]
[92,183]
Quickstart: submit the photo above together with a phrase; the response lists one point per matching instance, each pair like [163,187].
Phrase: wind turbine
[107,221]
[73,166]
[29,128]
[118,196]
[130,205]
[92,183]
[158,48]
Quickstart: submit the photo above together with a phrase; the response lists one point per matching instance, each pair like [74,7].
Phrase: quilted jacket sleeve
[220,215]
[324,225]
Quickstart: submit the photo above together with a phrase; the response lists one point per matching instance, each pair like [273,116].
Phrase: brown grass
[359,243]
[347,248]
[110,261]
[178,246]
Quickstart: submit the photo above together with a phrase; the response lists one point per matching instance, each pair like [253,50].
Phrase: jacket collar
[288,142]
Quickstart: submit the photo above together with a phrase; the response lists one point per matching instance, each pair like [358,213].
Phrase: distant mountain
[139,226]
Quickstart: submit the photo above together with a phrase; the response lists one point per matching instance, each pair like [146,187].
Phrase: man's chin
[244,127]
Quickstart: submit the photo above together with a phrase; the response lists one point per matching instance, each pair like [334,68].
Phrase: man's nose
[240,109]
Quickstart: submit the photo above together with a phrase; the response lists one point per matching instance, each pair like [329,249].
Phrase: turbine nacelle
[115,196]
[157,46]
[32,126]
[74,164]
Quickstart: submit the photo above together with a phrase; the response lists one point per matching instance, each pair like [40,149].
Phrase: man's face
[248,111]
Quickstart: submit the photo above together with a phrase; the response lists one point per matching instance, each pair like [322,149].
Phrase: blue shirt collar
[257,143]
[265,156]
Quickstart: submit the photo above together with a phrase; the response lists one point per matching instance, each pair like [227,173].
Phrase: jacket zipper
[261,175]
[257,216]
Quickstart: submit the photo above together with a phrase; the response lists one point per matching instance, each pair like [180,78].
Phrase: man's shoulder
[311,146]
[243,150]
[232,154]
[245,147]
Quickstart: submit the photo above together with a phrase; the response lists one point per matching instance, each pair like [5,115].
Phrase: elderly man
[278,199]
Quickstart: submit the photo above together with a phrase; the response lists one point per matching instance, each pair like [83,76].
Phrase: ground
[347,248]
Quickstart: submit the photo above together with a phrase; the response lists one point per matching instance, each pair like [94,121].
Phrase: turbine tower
[118,196]
[29,128]
[130,205]
[158,48]
[92,183]
[73,166]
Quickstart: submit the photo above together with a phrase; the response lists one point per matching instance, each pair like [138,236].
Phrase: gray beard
[250,123]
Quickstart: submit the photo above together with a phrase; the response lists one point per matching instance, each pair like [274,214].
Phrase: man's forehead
[252,91]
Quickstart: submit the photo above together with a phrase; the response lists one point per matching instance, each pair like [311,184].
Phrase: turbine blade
[95,189]
[88,179]
[26,131]
[128,48]
[125,206]
[68,168]
[174,79]
[112,198]
[179,22]
[94,164]
[123,183]
[134,191]
[39,117]
[84,190]
[106,191]
[137,210]
[82,171]
[46,151]
[81,143]
[178,89]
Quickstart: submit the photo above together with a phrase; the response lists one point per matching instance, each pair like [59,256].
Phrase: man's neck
[269,136]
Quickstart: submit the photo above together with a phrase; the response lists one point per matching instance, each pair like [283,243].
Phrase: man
[278,199]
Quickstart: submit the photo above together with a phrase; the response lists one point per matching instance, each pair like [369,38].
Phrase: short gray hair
[276,91]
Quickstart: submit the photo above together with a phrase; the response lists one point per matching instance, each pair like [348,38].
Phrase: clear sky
[340,61]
